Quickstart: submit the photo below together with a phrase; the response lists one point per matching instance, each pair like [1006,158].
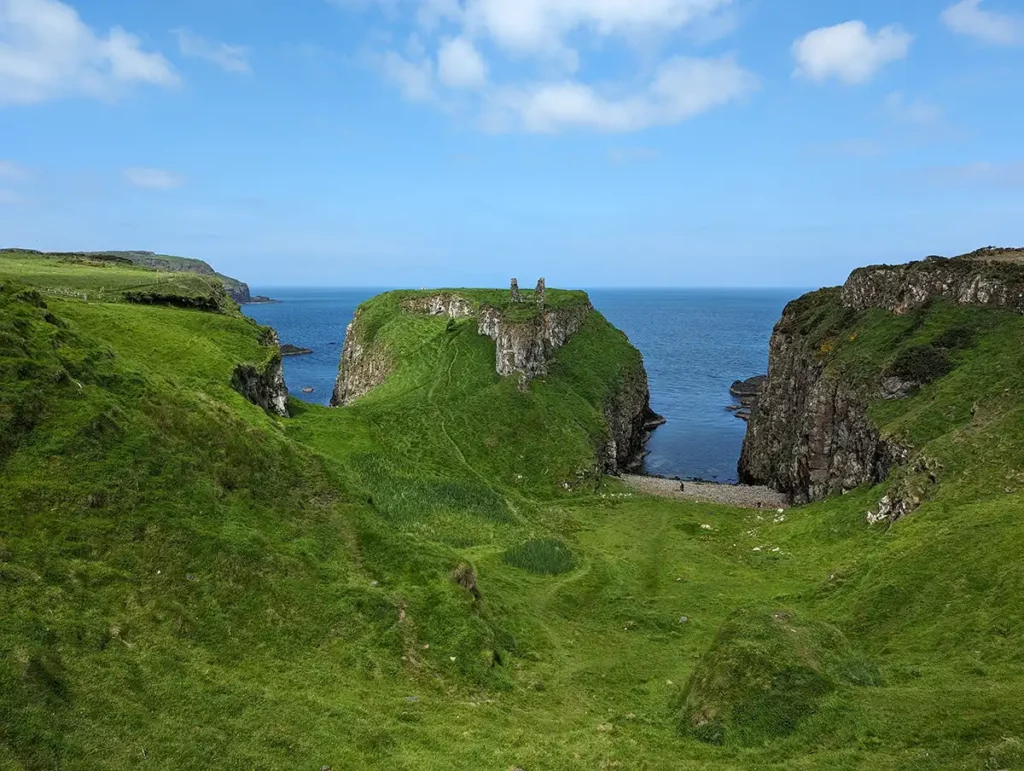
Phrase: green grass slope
[139,276]
[189,583]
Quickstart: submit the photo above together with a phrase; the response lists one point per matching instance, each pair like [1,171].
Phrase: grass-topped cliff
[190,582]
[46,268]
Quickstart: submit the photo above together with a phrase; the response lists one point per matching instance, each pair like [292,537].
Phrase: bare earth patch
[744,496]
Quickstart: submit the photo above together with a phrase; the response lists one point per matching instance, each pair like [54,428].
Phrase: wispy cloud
[681,89]
[967,17]
[230,58]
[48,52]
[152,179]
[849,52]
[11,198]
[514,66]
[913,110]
[13,172]
[984,173]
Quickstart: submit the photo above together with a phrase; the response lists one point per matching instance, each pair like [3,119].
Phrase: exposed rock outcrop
[986,277]
[364,366]
[630,422]
[526,346]
[810,435]
[264,385]
[443,304]
[746,392]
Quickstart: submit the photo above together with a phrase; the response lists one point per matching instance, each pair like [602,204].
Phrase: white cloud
[415,79]
[968,18]
[849,52]
[535,25]
[13,172]
[912,110]
[535,45]
[460,65]
[230,58]
[48,52]
[682,88]
[152,179]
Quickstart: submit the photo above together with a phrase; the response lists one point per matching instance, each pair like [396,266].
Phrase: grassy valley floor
[436,578]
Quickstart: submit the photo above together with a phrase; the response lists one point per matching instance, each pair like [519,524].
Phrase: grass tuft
[544,556]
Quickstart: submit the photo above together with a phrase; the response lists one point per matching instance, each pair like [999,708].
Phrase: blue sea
[695,343]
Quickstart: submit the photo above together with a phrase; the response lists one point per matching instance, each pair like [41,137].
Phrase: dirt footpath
[744,496]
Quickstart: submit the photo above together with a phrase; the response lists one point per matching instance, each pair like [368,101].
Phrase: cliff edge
[888,332]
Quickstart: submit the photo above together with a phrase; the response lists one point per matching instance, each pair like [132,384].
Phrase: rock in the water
[293,350]
[746,392]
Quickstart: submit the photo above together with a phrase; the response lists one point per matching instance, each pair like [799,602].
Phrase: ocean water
[695,343]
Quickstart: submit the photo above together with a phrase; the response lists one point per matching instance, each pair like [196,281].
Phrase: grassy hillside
[406,583]
[46,269]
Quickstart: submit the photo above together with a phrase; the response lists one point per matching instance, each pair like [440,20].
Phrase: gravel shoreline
[744,496]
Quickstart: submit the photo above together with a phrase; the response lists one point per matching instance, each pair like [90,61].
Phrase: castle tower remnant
[541,291]
[514,290]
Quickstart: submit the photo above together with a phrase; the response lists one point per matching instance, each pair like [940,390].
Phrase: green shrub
[921,364]
[956,338]
[546,556]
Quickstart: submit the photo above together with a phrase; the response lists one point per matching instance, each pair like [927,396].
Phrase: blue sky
[459,142]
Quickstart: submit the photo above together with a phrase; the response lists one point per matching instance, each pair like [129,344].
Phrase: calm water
[695,343]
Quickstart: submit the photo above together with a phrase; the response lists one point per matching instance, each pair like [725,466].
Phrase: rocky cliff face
[968,280]
[630,422]
[527,346]
[809,435]
[363,367]
[264,385]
